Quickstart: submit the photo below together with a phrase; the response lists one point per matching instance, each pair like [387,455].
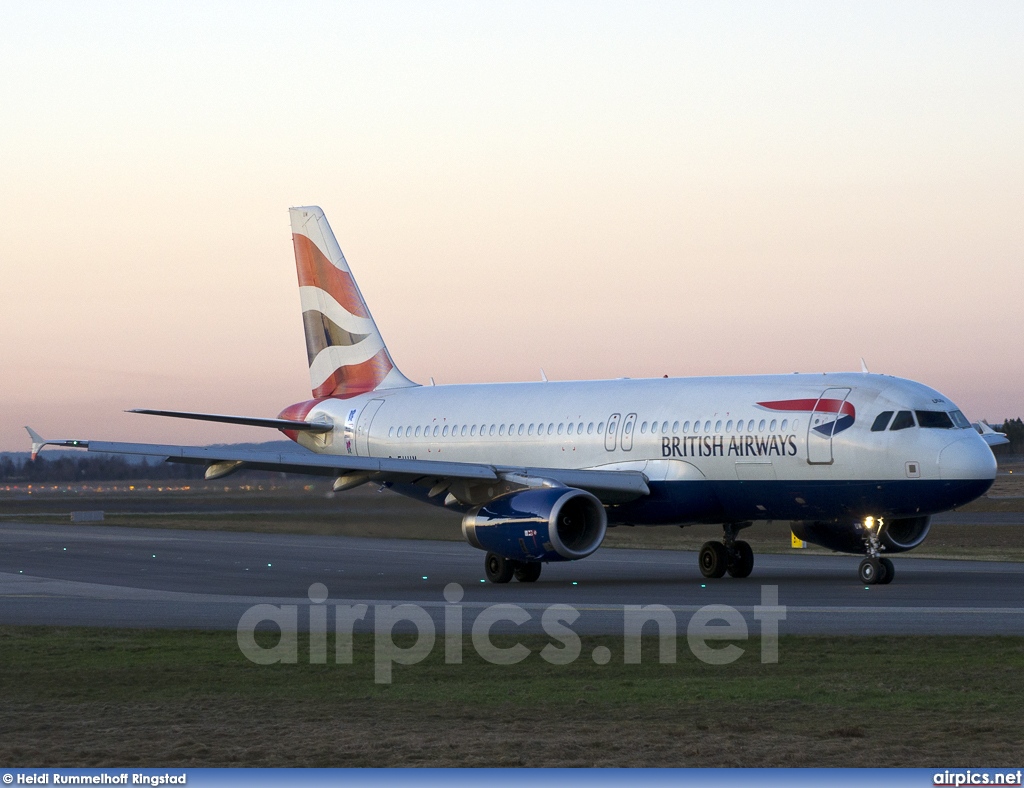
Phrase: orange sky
[597,190]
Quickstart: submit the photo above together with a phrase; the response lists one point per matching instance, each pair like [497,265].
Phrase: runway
[135,577]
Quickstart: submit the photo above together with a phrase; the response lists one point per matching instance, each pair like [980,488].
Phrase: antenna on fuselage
[863,366]
[543,377]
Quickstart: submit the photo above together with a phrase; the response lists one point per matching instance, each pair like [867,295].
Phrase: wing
[464,480]
[989,435]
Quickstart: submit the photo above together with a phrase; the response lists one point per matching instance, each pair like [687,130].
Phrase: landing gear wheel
[890,571]
[741,560]
[528,572]
[713,559]
[498,568]
[870,571]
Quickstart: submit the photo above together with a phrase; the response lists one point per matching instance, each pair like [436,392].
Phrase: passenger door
[822,423]
[363,426]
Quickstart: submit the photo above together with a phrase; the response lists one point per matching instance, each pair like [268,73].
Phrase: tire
[870,571]
[890,571]
[528,572]
[498,568]
[741,560]
[713,559]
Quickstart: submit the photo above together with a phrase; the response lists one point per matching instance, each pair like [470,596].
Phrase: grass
[95,697]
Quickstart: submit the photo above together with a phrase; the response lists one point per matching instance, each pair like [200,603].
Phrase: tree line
[1014,430]
[91,469]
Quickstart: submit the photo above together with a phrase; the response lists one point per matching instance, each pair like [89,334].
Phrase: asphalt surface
[132,577]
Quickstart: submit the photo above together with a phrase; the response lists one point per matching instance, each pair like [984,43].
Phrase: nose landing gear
[875,569]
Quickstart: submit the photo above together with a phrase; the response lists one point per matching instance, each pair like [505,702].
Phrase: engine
[545,524]
[897,536]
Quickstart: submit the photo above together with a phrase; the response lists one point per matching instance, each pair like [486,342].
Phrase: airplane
[540,470]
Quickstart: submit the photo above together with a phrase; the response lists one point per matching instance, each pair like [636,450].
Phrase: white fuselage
[753,430]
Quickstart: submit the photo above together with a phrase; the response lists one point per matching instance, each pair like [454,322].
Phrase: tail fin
[347,355]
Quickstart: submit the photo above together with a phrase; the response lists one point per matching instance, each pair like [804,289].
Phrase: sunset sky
[598,189]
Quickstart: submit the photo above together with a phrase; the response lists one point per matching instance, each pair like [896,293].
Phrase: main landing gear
[732,555]
[501,570]
[875,569]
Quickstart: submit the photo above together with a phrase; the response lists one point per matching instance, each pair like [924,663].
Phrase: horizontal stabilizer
[249,421]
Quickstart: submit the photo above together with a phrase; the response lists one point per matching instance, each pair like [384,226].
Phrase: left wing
[457,478]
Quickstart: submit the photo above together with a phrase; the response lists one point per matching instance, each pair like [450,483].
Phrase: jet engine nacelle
[897,536]
[545,524]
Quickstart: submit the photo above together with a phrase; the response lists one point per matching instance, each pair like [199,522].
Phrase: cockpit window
[881,421]
[934,419]
[903,420]
[960,420]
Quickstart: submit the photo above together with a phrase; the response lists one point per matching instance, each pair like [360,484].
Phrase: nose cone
[967,458]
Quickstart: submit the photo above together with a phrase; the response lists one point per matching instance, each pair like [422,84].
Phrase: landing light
[869,522]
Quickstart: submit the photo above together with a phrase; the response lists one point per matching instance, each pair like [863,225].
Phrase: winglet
[38,441]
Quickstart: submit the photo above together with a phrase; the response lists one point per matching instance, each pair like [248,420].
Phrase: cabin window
[501,430]
[903,420]
[771,427]
[560,428]
[490,430]
[462,431]
[418,432]
[472,431]
[881,421]
[590,428]
[521,428]
[675,427]
[761,425]
[571,428]
[551,428]
[728,426]
[444,432]
[707,426]
[529,431]
[934,419]
[718,426]
[785,424]
[643,428]
[579,428]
